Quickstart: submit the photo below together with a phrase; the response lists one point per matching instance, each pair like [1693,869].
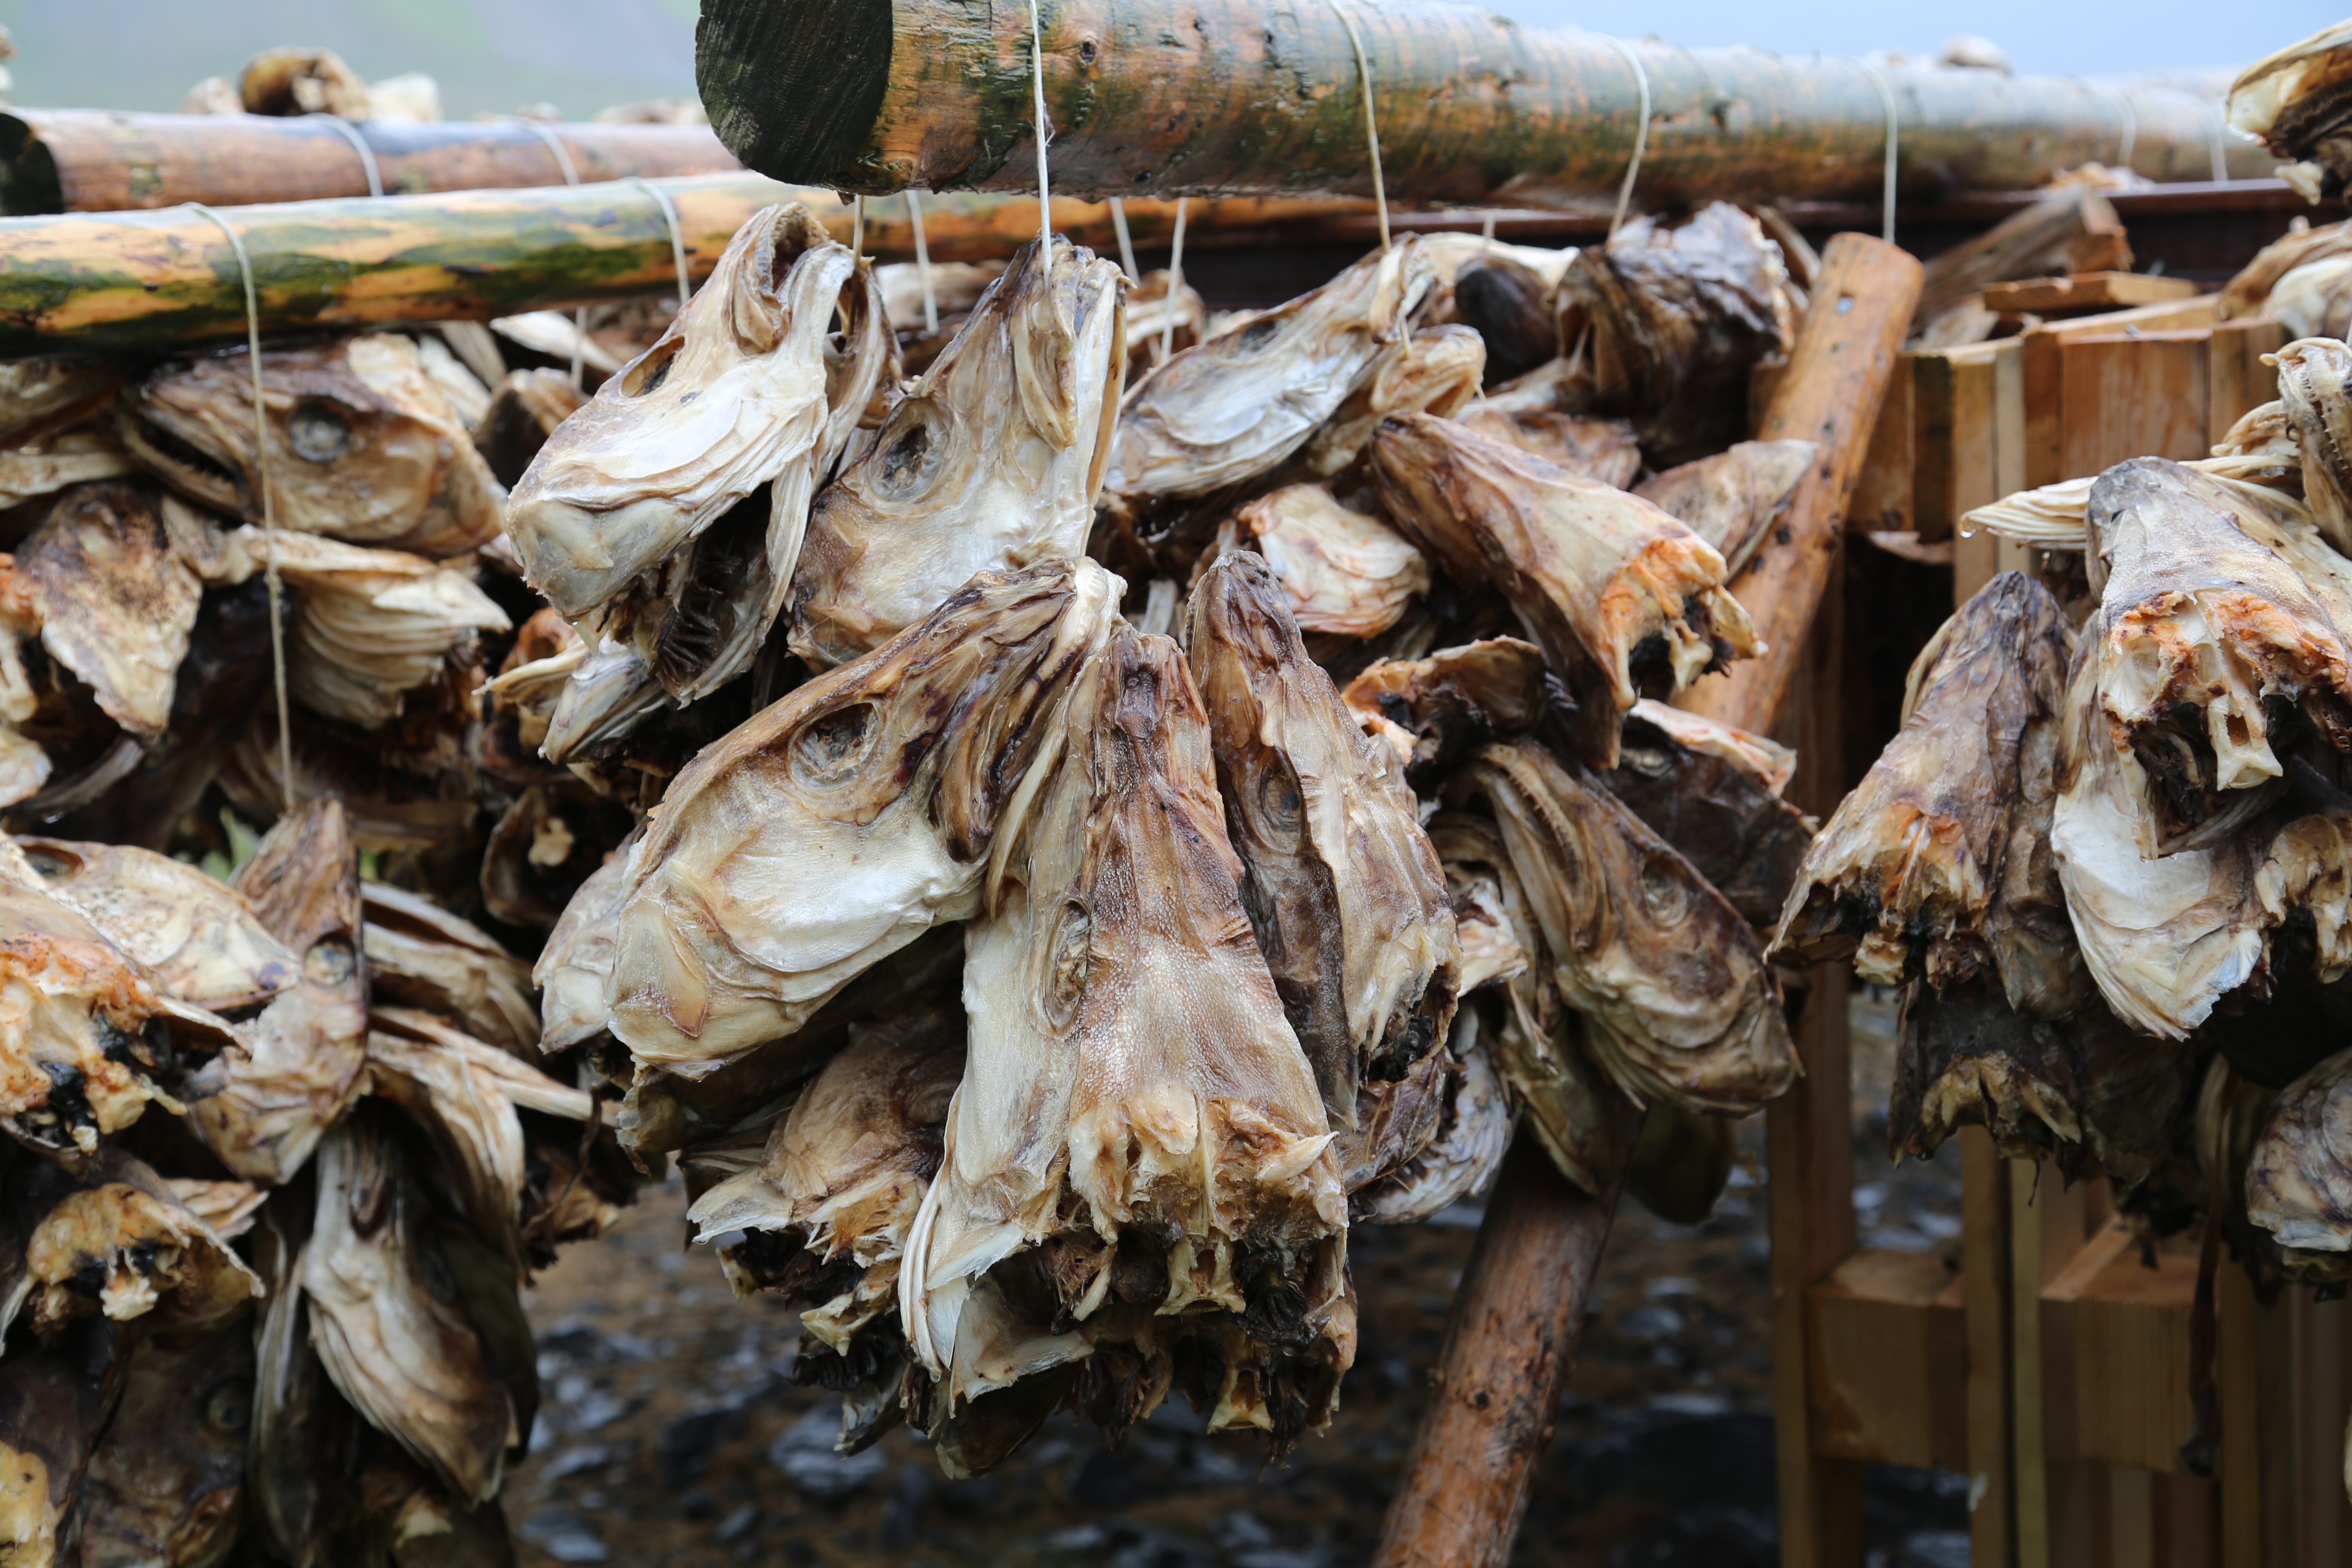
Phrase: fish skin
[1235,407]
[577,960]
[1131,1074]
[421,955]
[2314,374]
[166,1483]
[1448,703]
[116,603]
[1677,998]
[299,1064]
[407,1359]
[2297,1184]
[1434,370]
[200,940]
[55,1402]
[1462,1153]
[991,462]
[1595,573]
[1937,862]
[845,820]
[110,1237]
[1733,497]
[1714,792]
[732,395]
[1344,569]
[363,447]
[1343,890]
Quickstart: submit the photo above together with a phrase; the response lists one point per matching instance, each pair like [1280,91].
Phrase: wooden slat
[2240,380]
[2140,395]
[2238,1379]
[1985,1262]
[2084,291]
[2115,1345]
[2044,381]
[1882,497]
[1889,1361]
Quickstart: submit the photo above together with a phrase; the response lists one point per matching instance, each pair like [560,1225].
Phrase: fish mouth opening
[214,480]
[2175,754]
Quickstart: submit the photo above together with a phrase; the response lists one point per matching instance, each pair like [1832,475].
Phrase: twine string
[269,505]
[1037,81]
[1372,118]
[1175,283]
[923,265]
[1640,133]
[676,235]
[1886,101]
[1126,243]
[351,133]
[563,156]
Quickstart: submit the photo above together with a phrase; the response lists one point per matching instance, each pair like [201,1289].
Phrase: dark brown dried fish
[363,446]
[1342,889]
[1616,592]
[166,1483]
[55,1402]
[846,819]
[1440,708]
[1714,792]
[990,463]
[1672,314]
[1937,862]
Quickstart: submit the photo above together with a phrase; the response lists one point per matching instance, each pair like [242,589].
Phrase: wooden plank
[2083,292]
[1882,496]
[2135,394]
[2115,1344]
[2321,1367]
[2241,382]
[2238,1380]
[1955,434]
[1985,1263]
[1888,1353]
[2043,384]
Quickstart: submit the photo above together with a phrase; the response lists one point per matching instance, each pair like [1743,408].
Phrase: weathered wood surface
[2043,348]
[1522,1299]
[94,160]
[1226,98]
[2082,293]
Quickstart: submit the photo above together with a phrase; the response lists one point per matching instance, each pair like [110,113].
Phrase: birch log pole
[1522,1299]
[1237,98]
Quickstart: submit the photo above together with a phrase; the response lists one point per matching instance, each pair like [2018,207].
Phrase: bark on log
[147,282]
[1522,1299]
[91,160]
[1229,97]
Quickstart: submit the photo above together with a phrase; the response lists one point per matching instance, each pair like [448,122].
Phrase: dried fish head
[524,411]
[298,1064]
[42,395]
[2206,640]
[1713,791]
[406,1354]
[1509,304]
[116,602]
[2248,293]
[1462,1153]
[1676,313]
[1134,1091]
[1233,409]
[844,821]
[198,939]
[1677,1000]
[2298,1186]
[1345,572]
[990,463]
[2314,380]
[575,965]
[54,1407]
[2297,100]
[114,1240]
[86,1038]
[421,955]
[363,446]
[1448,705]
[1434,371]
[1905,873]
[1732,498]
[737,394]
[1609,586]
[1602,450]
[166,1483]
[1342,889]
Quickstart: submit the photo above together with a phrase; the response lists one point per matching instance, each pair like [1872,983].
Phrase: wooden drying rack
[2047,1363]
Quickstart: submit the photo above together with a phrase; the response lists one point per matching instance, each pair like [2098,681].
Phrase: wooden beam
[2115,1339]
[2043,346]
[2241,380]
[1985,1266]
[2133,395]
[2081,294]
[1228,98]
[1888,1344]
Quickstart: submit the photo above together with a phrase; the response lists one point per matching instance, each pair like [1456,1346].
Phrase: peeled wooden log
[95,159]
[1522,1300]
[1228,98]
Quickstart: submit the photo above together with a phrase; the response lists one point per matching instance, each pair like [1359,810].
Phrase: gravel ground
[672,1436]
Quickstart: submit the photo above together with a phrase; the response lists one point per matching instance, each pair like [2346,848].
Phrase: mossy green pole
[1250,98]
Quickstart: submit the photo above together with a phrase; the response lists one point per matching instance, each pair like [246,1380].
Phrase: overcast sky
[580,55]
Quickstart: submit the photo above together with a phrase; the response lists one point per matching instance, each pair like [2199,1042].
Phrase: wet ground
[672,1436]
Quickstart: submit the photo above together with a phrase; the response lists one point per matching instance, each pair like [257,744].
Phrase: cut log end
[795,84]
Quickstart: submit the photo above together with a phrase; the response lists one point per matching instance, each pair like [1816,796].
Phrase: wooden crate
[2053,1366]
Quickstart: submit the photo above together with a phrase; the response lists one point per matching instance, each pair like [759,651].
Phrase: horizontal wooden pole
[1227,98]
[97,160]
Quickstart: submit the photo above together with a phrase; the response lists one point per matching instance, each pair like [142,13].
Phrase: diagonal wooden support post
[1522,1300]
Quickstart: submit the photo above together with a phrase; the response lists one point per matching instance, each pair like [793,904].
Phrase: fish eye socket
[829,749]
[1662,893]
[228,1409]
[318,432]
[47,864]
[1280,806]
[1257,334]
[911,456]
[329,962]
[648,375]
